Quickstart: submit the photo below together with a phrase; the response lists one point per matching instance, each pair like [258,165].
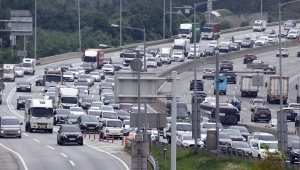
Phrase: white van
[166,55]
[28,66]
[9,72]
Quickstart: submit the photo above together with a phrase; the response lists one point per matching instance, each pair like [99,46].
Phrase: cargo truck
[53,77]
[222,85]
[211,31]
[247,89]
[95,56]
[181,45]
[259,25]
[66,97]
[273,93]
[186,31]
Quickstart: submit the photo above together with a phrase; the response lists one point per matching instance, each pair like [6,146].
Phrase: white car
[112,128]
[208,72]
[293,34]
[89,78]
[19,72]
[77,110]
[272,38]
[151,62]
[186,140]
[192,51]
[96,105]
[75,71]
[258,150]
[265,36]
[213,44]
[96,76]
[226,41]
[262,136]
[261,42]
[272,124]
[86,89]
[209,100]
[108,69]
[48,94]
[284,52]
[178,56]
[256,102]
[68,76]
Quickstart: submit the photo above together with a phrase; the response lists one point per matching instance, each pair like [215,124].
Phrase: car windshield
[270,145]
[295,145]
[294,105]
[110,80]
[62,112]
[271,36]
[68,73]
[89,119]
[263,110]
[24,83]
[258,101]
[109,97]
[81,83]
[88,100]
[150,59]
[107,108]
[18,69]
[153,49]
[10,121]
[184,127]
[73,69]
[86,65]
[223,136]
[177,53]
[76,109]
[72,100]
[84,76]
[73,117]
[24,97]
[293,32]
[73,128]
[266,137]
[65,64]
[125,106]
[233,45]
[94,112]
[261,39]
[208,70]
[107,66]
[240,145]
[122,113]
[213,42]
[98,104]
[94,73]
[233,132]
[126,122]
[111,115]
[114,124]
[106,84]
[210,100]
[53,78]
[187,137]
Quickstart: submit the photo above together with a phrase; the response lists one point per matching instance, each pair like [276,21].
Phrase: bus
[228,115]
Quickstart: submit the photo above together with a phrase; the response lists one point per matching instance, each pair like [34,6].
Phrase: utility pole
[170,18]
[120,22]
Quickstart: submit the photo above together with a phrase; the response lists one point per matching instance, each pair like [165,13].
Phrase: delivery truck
[247,89]
[259,25]
[211,31]
[186,31]
[273,93]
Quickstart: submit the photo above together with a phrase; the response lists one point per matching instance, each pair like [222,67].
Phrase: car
[49,95]
[65,66]
[200,96]
[125,51]
[226,64]
[235,46]
[115,105]
[186,140]
[239,40]
[254,38]
[89,79]
[210,51]
[68,76]
[76,72]
[122,115]
[82,83]
[231,77]
[88,123]
[265,36]
[86,102]
[112,128]
[178,56]
[61,116]
[272,124]
[244,131]
[88,67]
[107,115]
[258,149]
[96,105]
[234,134]
[202,52]
[126,106]
[290,21]
[77,110]
[284,52]
[239,148]
[261,136]
[95,76]
[192,53]
[224,139]
[135,110]
[127,128]
[69,134]
[125,69]
[293,151]
[226,41]
[248,58]
[105,92]
[261,113]
[101,73]
[50,67]
[105,85]
[106,99]
[95,113]
[208,72]
[256,102]
[10,127]
[270,68]
[107,60]
[107,108]
[40,80]
[108,69]
[298,54]
[213,44]
[272,39]
[83,89]
[293,34]
[225,47]
[269,31]
[141,49]
[200,85]
[21,101]
[284,33]
[151,62]
[290,113]
[261,42]
[211,126]
[71,119]
[209,100]
[19,72]
[23,86]
[118,65]
[235,103]
[247,42]
[153,50]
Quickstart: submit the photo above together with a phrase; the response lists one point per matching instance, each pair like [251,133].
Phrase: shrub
[244,24]
[226,24]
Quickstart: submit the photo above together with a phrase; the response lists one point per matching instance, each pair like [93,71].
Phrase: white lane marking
[25,134]
[20,157]
[63,155]
[94,91]
[36,140]
[72,163]
[211,86]
[124,164]
[40,94]
[208,91]
[244,109]
[235,87]
[233,92]
[49,147]
[92,96]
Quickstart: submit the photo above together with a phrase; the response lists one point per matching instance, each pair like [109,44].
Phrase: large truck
[247,89]
[211,31]
[9,72]
[28,66]
[181,45]
[222,85]
[38,115]
[53,77]
[66,97]
[259,25]
[95,56]
[186,31]
[166,55]
[273,93]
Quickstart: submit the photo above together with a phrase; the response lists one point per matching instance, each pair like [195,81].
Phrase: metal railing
[154,163]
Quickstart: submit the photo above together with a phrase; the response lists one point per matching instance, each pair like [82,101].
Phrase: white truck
[66,97]
[181,45]
[273,93]
[28,66]
[38,115]
[166,55]
[53,77]
[259,25]
[247,89]
[112,128]
[9,72]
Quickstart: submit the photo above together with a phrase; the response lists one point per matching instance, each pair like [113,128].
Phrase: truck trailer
[95,56]
[247,89]
[273,94]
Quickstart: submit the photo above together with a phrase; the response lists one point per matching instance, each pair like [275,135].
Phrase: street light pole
[170,18]
[164,20]
[34,33]
[261,10]
[79,30]
[120,22]
[145,70]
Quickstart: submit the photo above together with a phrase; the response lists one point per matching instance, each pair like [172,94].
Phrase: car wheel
[20,136]
[18,108]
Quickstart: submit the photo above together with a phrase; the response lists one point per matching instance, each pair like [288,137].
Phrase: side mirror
[21,123]
[58,131]
[189,112]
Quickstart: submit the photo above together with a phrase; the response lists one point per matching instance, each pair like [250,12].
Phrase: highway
[40,151]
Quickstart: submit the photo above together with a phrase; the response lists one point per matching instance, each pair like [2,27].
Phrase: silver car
[89,78]
[271,124]
[19,72]
[96,76]
[10,127]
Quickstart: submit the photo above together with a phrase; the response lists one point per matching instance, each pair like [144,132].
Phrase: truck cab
[66,97]
[259,25]
[28,66]
[166,55]
[112,128]
[9,72]
[53,77]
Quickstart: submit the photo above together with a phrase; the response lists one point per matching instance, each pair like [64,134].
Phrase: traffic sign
[134,64]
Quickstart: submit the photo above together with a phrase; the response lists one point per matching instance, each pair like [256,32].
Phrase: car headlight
[244,139]
[19,102]
[83,124]
[185,144]
[296,152]
[2,131]
[79,136]
[64,136]
[19,131]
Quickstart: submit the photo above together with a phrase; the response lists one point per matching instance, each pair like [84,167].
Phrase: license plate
[71,138]
[91,127]
[115,134]
[263,115]
[228,76]
[10,132]
[42,127]
[23,88]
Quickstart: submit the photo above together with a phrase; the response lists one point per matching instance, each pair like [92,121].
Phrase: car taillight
[149,128]
[204,72]
[238,113]
[252,58]
[272,125]
[269,113]
[257,113]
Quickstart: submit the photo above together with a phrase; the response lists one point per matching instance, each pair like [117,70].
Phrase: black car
[284,33]
[234,46]
[122,115]
[127,130]
[107,98]
[202,53]
[153,50]
[234,134]
[86,102]
[237,148]
[95,113]
[105,85]
[199,85]
[270,68]
[88,123]
[141,49]
[290,114]
[107,60]
[65,66]
[248,58]
[244,131]
[115,105]
[231,77]
[224,48]
[118,65]
[261,113]
[247,42]
[210,51]
[50,67]
[293,151]
[226,64]
[71,119]
[104,91]
[21,101]
[24,86]
[298,54]
[61,116]
[200,96]
[69,134]
[40,80]
[88,67]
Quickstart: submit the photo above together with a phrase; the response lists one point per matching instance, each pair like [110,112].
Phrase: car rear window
[208,70]
[227,62]
[229,74]
[263,109]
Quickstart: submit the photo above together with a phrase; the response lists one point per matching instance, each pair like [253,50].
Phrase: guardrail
[154,163]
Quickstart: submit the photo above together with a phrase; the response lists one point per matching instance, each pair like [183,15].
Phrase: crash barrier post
[107,138]
[112,139]
[99,136]
[123,141]
[102,135]
[94,135]
[84,133]
[89,135]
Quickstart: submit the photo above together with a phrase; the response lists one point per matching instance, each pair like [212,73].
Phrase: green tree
[226,24]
